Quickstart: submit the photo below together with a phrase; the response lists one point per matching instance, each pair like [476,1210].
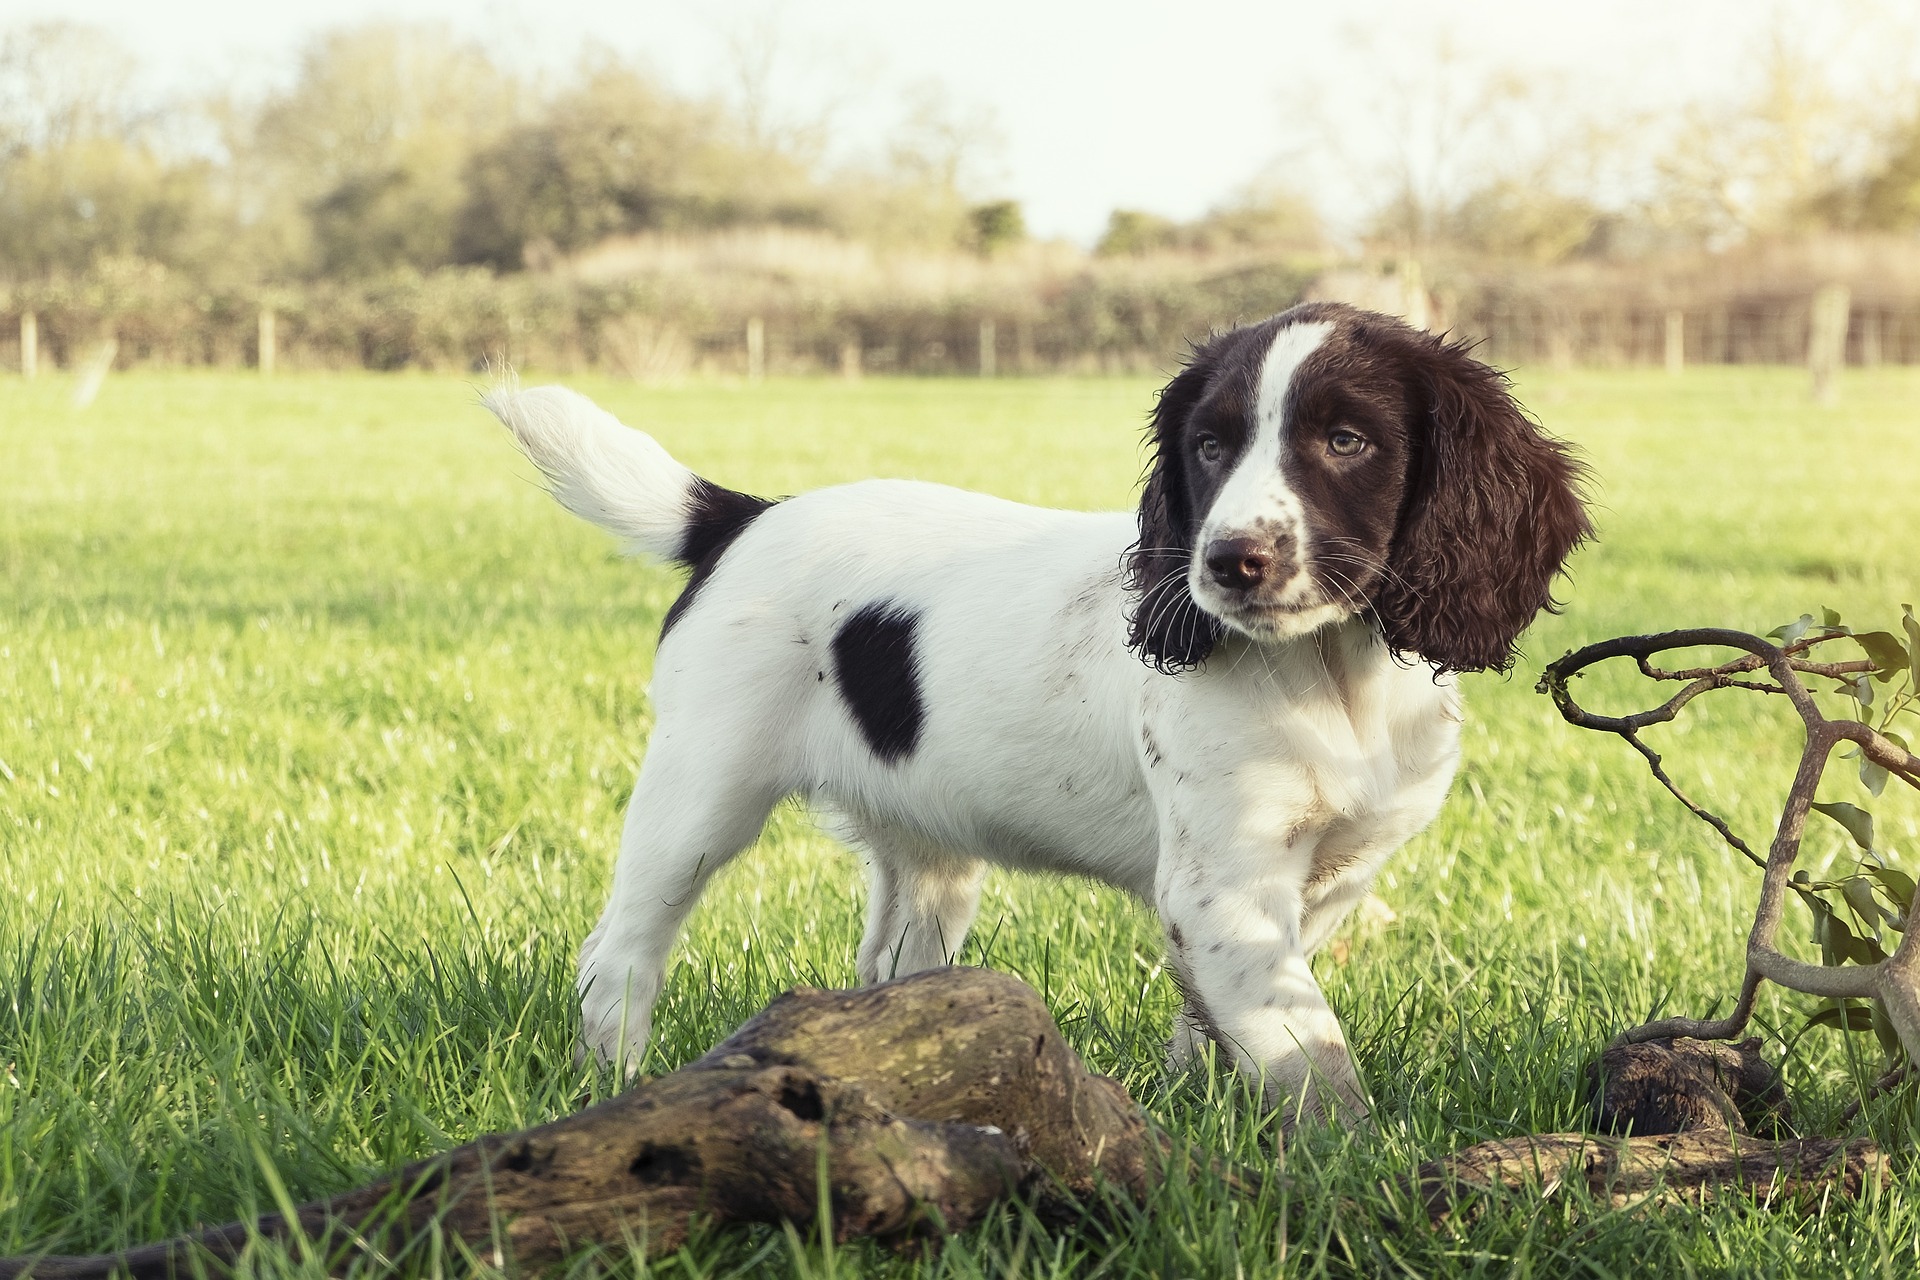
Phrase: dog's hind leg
[921,904]
[703,795]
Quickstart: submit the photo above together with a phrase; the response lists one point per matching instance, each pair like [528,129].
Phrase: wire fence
[1747,331]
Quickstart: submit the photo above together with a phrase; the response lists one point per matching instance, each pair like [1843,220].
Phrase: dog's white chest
[1324,756]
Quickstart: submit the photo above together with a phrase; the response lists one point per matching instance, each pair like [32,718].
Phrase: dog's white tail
[618,478]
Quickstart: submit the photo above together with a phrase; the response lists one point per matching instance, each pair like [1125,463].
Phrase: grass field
[316,721]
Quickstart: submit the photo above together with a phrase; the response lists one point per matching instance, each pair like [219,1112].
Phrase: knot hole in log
[801,1099]
[661,1165]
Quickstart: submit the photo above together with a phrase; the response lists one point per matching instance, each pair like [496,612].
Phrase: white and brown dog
[1235,705]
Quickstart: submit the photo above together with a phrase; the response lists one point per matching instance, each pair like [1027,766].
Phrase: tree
[620,154]
[1260,219]
[83,172]
[1887,197]
[62,83]
[63,209]
[368,146]
[1890,198]
[1432,124]
[996,225]
[918,191]
[1869,975]
[1134,232]
[1508,218]
[1758,163]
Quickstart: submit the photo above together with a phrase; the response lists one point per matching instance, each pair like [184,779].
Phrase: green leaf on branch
[1850,1017]
[1857,821]
[1864,951]
[1859,688]
[1898,884]
[1830,619]
[1858,891]
[1883,1031]
[1888,654]
[1787,633]
[1839,944]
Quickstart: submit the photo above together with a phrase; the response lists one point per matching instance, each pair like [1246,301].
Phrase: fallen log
[923,1101]
[1689,1167]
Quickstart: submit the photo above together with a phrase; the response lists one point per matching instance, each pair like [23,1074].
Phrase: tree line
[405,163]
[405,147]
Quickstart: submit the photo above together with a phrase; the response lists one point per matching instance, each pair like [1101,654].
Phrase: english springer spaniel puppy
[1234,706]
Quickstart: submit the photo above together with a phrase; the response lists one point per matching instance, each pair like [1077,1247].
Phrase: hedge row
[465,318]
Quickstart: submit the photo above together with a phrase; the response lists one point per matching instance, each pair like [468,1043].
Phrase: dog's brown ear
[1494,509]
[1167,629]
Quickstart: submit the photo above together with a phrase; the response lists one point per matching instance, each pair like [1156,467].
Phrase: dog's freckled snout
[1238,563]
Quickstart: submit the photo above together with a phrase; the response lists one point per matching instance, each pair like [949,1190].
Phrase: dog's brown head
[1330,462]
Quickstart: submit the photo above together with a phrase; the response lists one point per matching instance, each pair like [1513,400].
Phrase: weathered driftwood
[923,1101]
[1697,1165]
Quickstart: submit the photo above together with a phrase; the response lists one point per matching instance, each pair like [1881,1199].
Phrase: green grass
[317,717]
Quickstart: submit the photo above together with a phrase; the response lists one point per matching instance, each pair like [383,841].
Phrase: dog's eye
[1208,447]
[1345,444]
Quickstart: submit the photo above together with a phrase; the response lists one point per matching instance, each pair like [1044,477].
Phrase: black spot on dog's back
[878,671]
[715,517]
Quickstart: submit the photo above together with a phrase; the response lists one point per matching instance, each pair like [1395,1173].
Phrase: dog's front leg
[1234,942]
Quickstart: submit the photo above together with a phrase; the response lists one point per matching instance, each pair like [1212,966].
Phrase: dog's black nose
[1238,563]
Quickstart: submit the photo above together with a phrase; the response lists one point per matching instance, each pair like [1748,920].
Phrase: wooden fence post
[29,344]
[1676,341]
[756,349]
[268,349]
[1827,339]
[850,359]
[1023,345]
[989,341]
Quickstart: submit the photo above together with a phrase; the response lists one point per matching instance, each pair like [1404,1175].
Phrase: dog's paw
[616,1017]
[611,1033]
[1190,1041]
[1323,1099]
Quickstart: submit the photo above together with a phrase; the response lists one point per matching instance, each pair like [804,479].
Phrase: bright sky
[1099,103]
